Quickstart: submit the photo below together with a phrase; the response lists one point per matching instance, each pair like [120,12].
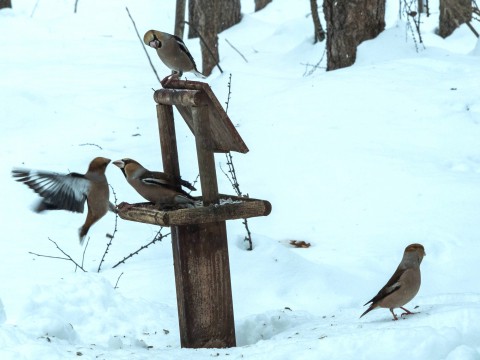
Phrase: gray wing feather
[59,191]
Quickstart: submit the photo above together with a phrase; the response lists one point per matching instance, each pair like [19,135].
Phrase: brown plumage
[70,191]
[403,285]
[157,187]
[173,52]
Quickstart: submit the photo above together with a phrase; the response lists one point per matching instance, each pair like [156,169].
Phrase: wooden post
[200,252]
[168,140]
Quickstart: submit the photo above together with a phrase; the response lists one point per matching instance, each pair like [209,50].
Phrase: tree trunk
[453,13]
[349,22]
[205,12]
[5,4]
[421,8]
[318,33]
[229,14]
[180,18]
[260,4]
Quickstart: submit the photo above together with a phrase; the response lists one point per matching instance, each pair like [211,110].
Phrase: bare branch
[232,175]
[68,257]
[143,45]
[158,237]
[112,236]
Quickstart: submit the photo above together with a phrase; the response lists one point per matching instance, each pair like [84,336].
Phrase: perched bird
[69,191]
[404,283]
[155,186]
[173,52]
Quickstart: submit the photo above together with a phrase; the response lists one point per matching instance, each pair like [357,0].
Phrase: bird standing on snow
[69,191]
[173,53]
[155,186]
[403,285]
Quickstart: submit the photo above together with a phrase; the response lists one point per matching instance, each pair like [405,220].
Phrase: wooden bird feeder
[199,235]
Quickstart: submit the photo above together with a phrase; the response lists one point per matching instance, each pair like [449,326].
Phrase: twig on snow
[238,51]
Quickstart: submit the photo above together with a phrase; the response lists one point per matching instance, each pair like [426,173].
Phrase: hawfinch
[69,191]
[404,283]
[155,186]
[173,53]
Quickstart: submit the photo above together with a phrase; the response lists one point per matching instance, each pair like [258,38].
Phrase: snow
[359,162]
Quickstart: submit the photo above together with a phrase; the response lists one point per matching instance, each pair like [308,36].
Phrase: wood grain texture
[224,134]
[243,208]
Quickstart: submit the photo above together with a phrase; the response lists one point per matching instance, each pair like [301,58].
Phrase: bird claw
[166,80]
[123,206]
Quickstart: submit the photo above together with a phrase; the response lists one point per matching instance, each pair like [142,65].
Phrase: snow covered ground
[359,162]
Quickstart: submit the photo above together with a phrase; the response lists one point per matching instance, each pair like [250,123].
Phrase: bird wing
[391,286]
[183,48]
[59,191]
[165,181]
[156,180]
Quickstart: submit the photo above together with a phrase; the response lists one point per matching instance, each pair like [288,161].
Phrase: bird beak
[154,43]
[119,163]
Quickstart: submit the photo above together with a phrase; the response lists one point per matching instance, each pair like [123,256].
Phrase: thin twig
[34,8]
[68,257]
[229,92]
[75,9]
[234,48]
[118,279]
[112,236]
[141,248]
[206,46]
[233,175]
[85,250]
[90,144]
[143,46]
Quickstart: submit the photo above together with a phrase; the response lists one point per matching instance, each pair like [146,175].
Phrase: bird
[403,285]
[70,191]
[173,52]
[157,187]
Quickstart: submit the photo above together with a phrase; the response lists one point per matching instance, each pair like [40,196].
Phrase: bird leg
[407,312]
[394,316]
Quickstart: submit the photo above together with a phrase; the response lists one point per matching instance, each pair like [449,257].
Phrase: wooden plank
[205,155]
[241,209]
[224,134]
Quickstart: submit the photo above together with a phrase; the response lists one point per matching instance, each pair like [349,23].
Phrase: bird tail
[188,185]
[371,307]
[199,74]
[82,233]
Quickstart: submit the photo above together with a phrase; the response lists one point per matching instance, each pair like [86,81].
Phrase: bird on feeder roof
[173,52]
